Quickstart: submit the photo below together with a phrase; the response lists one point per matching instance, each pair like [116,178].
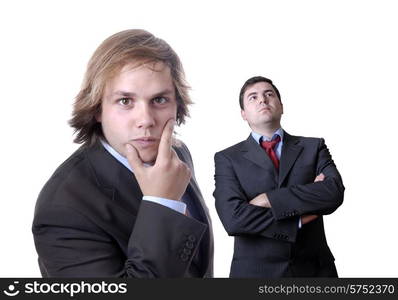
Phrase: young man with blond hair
[126,203]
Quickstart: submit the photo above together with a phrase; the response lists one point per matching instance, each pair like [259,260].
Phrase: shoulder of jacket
[232,149]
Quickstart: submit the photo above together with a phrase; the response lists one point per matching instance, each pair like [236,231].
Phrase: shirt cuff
[179,206]
[299,222]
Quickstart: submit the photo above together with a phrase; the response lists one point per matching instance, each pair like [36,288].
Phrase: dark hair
[252,81]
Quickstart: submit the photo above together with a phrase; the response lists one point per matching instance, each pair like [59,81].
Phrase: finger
[308,218]
[312,218]
[320,177]
[176,160]
[164,150]
[133,158]
[182,165]
[174,155]
[188,171]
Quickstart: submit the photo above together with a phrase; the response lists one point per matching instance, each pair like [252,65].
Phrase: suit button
[187,251]
[191,238]
[189,244]
[184,257]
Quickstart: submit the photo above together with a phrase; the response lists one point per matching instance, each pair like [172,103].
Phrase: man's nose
[144,116]
[263,99]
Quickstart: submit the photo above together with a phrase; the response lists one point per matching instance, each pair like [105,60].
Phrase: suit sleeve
[70,244]
[320,198]
[237,215]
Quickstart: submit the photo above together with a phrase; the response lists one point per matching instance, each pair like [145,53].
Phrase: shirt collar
[120,158]
[258,136]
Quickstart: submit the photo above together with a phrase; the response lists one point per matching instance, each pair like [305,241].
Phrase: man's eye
[252,98]
[159,100]
[124,101]
[269,94]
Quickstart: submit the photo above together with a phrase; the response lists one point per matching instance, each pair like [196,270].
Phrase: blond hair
[130,46]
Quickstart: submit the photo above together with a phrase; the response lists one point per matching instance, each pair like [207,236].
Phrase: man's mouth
[144,142]
[265,108]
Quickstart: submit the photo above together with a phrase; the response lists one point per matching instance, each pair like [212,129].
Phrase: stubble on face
[137,103]
[262,108]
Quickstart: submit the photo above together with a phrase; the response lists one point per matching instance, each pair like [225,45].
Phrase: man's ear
[282,107]
[243,114]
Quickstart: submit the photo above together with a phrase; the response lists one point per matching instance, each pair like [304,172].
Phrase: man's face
[261,106]
[136,105]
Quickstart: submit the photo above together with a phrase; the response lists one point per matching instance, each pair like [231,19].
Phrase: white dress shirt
[173,204]
[278,148]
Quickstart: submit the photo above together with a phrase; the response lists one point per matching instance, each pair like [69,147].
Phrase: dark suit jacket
[268,242]
[90,221]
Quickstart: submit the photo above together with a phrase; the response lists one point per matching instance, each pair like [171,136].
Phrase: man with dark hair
[126,203]
[252,81]
[272,191]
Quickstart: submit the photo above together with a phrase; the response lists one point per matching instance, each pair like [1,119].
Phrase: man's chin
[148,157]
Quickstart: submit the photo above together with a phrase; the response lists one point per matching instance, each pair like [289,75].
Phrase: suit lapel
[193,189]
[197,198]
[290,151]
[112,176]
[256,154]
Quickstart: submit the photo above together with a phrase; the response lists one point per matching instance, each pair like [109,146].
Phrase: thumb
[133,158]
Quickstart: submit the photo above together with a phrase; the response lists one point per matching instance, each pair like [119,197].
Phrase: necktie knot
[269,146]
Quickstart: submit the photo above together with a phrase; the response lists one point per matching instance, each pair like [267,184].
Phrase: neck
[267,131]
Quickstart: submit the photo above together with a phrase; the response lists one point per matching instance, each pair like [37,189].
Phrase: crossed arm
[278,211]
[263,201]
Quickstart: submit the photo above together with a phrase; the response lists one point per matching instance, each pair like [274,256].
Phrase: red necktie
[269,146]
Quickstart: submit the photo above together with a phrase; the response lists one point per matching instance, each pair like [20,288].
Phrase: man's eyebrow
[267,91]
[163,92]
[132,95]
[251,94]
[124,93]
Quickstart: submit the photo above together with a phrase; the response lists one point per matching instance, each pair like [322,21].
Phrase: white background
[335,63]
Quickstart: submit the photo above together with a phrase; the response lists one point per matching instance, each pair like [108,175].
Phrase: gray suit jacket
[268,242]
[90,221]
